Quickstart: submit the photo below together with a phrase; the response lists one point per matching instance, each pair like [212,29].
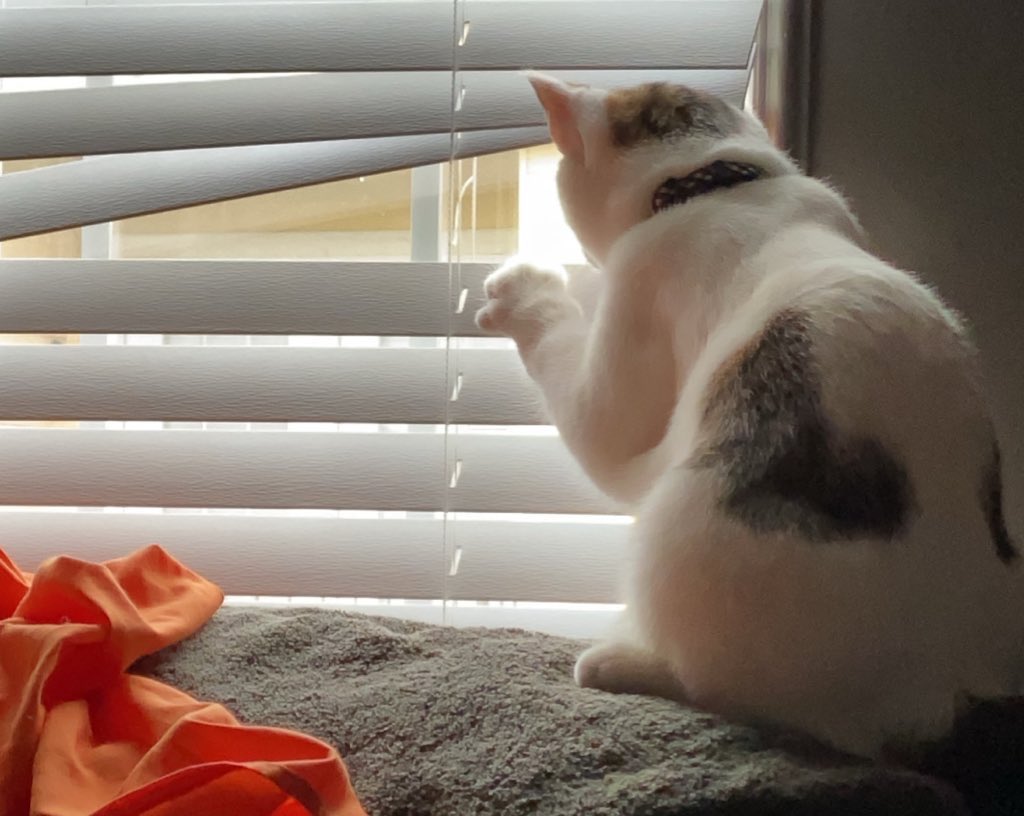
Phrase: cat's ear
[561,105]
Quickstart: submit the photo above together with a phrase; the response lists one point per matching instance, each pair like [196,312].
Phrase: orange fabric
[80,737]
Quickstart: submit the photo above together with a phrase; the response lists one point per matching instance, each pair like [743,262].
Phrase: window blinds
[412,72]
[416,511]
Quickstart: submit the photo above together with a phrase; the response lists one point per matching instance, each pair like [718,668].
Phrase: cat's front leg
[524,301]
[608,378]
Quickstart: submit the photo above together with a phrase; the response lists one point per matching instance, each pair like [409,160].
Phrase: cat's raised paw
[518,279]
[522,298]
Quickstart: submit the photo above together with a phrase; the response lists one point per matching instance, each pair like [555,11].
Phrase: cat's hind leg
[619,667]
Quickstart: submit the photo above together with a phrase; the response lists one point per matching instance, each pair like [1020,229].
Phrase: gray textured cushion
[434,720]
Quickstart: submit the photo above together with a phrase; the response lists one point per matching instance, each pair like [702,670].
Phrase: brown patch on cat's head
[660,110]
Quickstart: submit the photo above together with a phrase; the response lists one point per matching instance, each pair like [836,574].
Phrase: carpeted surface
[458,722]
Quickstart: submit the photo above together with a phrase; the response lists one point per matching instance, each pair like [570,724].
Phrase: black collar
[718,174]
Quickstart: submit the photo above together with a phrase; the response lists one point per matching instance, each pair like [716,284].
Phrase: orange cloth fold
[80,737]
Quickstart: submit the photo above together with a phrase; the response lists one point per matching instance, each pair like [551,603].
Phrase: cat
[798,428]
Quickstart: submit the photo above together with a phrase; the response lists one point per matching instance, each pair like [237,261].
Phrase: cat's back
[857,378]
[879,342]
[841,430]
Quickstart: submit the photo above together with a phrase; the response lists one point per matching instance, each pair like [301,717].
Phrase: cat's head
[618,147]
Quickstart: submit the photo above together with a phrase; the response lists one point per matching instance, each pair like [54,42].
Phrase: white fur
[857,643]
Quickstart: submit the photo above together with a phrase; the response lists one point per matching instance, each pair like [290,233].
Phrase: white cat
[797,426]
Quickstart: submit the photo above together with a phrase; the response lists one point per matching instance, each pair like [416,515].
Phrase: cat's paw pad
[522,297]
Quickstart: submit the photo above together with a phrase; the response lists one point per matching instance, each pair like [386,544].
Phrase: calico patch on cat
[659,110]
[784,468]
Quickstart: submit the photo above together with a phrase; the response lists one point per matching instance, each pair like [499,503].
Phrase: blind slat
[173,116]
[274,469]
[238,297]
[263,384]
[106,188]
[345,557]
[398,36]
[575,562]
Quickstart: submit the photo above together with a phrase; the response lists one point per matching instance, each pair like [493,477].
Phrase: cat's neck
[724,226]
[704,252]
[720,174]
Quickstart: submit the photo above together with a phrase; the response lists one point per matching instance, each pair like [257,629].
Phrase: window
[237,307]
